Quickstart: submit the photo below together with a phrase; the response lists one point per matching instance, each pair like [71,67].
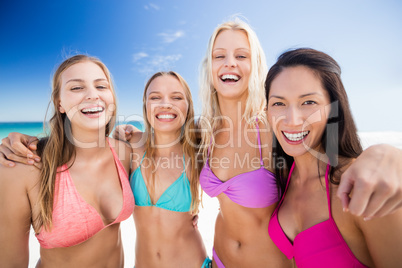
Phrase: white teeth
[166,116]
[92,110]
[295,136]
[230,76]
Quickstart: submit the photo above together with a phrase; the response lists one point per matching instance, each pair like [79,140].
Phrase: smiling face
[166,104]
[86,96]
[231,64]
[298,109]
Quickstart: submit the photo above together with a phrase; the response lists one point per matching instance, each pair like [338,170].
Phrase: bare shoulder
[21,176]
[123,151]
[137,155]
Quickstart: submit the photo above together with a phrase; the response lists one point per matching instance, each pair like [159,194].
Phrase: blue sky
[136,38]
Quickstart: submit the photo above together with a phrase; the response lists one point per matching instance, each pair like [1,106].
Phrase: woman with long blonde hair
[76,201]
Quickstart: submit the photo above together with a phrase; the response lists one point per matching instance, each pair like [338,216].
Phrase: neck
[88,144]
[310,166]
[166,143]
[232,111]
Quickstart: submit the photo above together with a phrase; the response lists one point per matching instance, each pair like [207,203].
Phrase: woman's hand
[19,148]
[372,185]
[124,132]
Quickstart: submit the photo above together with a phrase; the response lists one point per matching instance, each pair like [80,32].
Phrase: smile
[92,110]
[296,136]
[230,78]
[166,116]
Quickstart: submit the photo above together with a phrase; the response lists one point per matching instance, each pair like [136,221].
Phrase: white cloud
[150,64]
[151,5]
[138,56]
[171,37]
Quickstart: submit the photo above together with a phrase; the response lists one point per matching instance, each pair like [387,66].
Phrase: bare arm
[376,180]
[15,217]
[384,239]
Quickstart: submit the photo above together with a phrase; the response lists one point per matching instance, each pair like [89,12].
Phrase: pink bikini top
[254,189]
[321,245]
[74,220]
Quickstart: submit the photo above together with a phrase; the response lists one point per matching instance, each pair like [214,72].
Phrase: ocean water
[36,128]
[29,128]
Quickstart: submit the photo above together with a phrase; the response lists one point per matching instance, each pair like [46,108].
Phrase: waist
[168,245]
[102,250]
[155,221]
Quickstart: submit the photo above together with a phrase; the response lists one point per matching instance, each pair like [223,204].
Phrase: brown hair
[57,148]
[188,140]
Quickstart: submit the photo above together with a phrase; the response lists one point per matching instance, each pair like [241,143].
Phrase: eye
[101,87]
[154,98]
[177,98]
[278,104]
[309,102]
[219,56]
[76,88]
[241,57]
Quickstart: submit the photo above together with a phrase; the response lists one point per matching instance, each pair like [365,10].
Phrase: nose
[165,103]
[230,61]
[293,117]
[92,93]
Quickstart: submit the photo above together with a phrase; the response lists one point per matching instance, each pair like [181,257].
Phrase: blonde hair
[210,120]
[188,140]
[56,149]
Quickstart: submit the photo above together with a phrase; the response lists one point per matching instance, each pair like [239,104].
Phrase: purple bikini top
[253,189]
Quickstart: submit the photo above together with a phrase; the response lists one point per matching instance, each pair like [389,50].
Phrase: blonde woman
[77,200]
[164,179]
[236,146]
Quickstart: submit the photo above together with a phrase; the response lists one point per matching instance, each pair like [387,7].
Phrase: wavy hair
[210,120]
[187,139]
[57,148]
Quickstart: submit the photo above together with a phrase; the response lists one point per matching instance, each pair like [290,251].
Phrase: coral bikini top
[74,220]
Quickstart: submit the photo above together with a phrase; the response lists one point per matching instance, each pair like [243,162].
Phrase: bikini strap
[184,163]
[209,148]
[259,141]
[286,188]
[143,157]
[328,190]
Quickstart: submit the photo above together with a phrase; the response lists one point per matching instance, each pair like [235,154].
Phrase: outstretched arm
[372,185]
[383,237]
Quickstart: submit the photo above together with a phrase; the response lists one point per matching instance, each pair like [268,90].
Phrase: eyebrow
[81,80]
[300,97]
[157,92]
[240,48]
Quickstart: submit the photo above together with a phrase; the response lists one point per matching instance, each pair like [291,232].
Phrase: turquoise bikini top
[177,197]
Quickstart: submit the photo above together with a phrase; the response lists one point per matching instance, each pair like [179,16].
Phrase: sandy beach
[210,208]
